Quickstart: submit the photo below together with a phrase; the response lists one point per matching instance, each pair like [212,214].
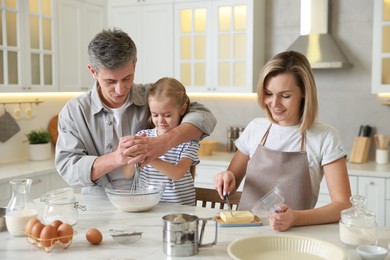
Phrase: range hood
[315,42]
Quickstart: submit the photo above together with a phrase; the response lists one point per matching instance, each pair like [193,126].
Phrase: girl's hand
[281,220]
[224,182]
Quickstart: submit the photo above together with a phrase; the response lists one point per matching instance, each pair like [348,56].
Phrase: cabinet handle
[371,183]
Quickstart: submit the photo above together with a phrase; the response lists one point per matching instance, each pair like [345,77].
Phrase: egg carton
[48,245]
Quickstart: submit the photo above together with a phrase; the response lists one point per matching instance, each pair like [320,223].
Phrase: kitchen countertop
[370,168]
[102,215]
[20,169]
[217,158]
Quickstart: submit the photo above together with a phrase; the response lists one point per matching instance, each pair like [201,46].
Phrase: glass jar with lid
[358,224]
[61,205]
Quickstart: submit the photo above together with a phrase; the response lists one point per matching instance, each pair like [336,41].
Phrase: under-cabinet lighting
[223,95]
[23,96]
[62,95]
[384,98]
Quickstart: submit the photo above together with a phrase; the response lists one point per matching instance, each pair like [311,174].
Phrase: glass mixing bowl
[125,198]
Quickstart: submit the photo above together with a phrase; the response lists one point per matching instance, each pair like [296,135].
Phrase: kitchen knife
[226,198]
[369,130]
[360,131]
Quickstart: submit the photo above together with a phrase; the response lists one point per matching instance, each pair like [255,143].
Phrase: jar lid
[59,196]
[358,214]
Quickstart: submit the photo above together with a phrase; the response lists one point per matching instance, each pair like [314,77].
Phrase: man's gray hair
[111,49]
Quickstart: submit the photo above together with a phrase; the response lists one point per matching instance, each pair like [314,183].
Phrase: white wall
[344,95]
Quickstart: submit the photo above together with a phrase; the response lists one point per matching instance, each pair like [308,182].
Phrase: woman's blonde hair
[297,65]
[173,90]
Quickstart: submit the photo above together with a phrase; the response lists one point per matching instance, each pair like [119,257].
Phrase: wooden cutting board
[53,129]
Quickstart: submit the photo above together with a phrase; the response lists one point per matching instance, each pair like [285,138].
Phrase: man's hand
[148,150]
[132,149]
[144,150]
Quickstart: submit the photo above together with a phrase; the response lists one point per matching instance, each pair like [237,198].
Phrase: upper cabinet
[78,22]
[381,47]
[219,44]
[27,46]
[150,24]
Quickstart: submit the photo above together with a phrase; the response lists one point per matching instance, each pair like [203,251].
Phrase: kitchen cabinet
[28,47]
[324,197]
[56,182]
[209,166]
[219,45]
[41,183]
[5,193]
[374,191]
[150,25]
[78,23]
[373,188]
[387,202]
[381,47]
[205,173]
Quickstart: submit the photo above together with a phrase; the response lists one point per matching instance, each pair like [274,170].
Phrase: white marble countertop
[371,168]
[20,169]
[217,158]
[102,215]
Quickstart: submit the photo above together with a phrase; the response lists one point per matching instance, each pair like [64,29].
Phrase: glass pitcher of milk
[358,224]
[20,208]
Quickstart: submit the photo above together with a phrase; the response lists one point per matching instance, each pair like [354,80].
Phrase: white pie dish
[290,247]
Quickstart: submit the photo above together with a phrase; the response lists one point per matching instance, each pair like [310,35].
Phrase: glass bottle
[20,208]
[358,224]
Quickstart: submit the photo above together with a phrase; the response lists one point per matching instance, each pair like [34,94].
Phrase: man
[96,130]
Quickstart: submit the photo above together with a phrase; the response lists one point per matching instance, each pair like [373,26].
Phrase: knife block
[360,148]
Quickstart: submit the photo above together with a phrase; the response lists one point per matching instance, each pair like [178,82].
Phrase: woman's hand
[225,182]
[281,220]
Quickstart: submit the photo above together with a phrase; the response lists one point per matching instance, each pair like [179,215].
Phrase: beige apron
[268,168]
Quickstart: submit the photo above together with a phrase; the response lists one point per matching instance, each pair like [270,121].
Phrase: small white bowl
[372,252]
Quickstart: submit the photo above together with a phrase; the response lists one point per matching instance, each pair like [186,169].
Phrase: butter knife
[226,198]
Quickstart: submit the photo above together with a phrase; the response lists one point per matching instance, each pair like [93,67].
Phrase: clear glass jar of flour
[358,224]
[61,205]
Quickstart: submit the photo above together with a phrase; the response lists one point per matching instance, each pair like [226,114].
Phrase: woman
[290,149]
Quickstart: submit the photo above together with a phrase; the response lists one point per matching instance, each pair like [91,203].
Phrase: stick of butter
[239,217]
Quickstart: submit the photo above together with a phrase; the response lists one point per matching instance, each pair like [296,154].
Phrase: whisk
[135,185]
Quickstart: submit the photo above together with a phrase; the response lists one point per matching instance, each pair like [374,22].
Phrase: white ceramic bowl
[278,247]
[121,195]
[371,252]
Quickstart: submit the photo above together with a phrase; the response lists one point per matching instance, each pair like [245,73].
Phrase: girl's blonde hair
[297,65]
[172,89]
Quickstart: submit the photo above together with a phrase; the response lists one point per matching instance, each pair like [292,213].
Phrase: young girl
[168,103]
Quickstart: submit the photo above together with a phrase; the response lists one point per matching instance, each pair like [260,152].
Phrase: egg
[36,230]
[48,236]
[94,236]
[29,225]
[65,233]
[56,223]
